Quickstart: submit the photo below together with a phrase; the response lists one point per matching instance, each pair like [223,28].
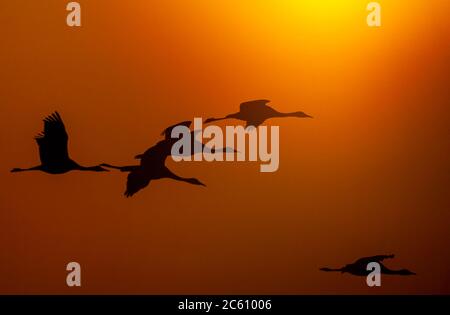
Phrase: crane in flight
[53,150]
[359,267]
[254,113]
[152,165]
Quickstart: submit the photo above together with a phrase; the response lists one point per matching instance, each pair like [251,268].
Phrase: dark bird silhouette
[165,147]
[254,113]
[53,151]
[196,146]
[359,267]
[152,165]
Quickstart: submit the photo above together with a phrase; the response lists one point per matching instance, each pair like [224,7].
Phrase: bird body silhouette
[53,150]
[141,177]
[152,165]
[359,267]
[196,145]
[254,113]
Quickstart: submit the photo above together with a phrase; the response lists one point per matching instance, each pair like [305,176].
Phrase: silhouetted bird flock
[54,156]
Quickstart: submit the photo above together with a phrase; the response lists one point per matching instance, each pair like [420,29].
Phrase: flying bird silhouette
[254,113]
[359,267]
[152,164]
[152,167]
[53,151]
[196,146]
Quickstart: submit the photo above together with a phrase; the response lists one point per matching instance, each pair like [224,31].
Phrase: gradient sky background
[369,175]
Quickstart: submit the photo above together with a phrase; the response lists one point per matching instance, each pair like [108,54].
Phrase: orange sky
[369,175]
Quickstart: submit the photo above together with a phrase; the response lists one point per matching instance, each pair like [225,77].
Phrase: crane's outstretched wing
[136,180]
[252,105]
[377,258]
[168,131]
[157,154]
[52,141]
